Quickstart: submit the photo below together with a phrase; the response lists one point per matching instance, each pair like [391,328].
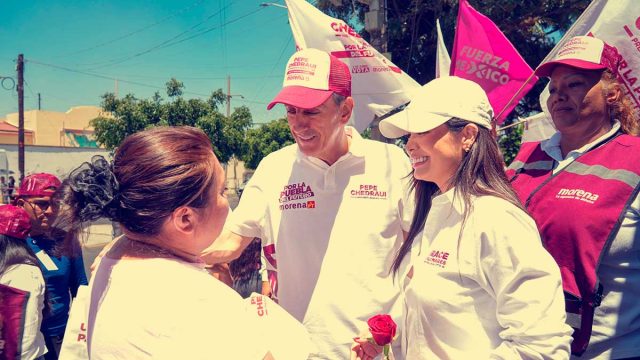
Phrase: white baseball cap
[437,102]
[583,52]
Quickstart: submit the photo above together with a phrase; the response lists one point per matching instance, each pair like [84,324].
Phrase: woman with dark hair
[478,284]
[19,269]
[245,270]
[151,296]
[590,168]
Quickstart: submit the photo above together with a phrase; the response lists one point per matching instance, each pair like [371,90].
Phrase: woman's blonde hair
[623,109]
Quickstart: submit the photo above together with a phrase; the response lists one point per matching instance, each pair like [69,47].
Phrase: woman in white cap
[479,285]
[591,169]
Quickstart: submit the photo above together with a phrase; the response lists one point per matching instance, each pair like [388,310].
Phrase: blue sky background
[143,43]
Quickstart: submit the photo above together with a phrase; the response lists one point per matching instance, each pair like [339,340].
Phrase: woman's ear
[469,135]
[183,220]
[613,93]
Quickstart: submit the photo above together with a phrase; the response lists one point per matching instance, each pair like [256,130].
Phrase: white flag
[617,23]
[443,60]
[377,84]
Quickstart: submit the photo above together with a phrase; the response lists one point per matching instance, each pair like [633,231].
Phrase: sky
[75,50]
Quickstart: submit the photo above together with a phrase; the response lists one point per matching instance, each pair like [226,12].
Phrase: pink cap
[311,77]
[41,184]
[14,222]
[583,52]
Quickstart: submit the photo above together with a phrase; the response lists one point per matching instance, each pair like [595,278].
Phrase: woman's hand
[363,349]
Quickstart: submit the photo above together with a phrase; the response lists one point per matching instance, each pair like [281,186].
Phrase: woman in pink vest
[581,186]
[22,289]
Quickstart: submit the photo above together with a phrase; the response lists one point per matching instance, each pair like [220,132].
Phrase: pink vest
[12,315]
[578,212]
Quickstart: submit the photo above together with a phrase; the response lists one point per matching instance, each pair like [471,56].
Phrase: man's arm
[228,246]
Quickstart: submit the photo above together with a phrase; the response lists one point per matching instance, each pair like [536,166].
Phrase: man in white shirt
[330,210]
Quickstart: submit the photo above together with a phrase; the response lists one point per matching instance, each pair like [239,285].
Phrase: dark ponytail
[153,173]
[95,190]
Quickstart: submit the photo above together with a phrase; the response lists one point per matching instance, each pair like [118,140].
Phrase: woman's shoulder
[24,277]
[494,210]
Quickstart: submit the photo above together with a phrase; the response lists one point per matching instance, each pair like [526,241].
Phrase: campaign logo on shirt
[437,258]
[577,194]
[291,195]
[368,191]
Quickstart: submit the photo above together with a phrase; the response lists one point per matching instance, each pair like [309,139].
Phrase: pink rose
[382,328]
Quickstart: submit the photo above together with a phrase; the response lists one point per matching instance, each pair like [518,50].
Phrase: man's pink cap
[41,184]
[583,52]
[311,77]
[14,222]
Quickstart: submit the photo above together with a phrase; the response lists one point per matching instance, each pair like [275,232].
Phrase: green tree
[174,87]
[532,26]
[130,114]
[265,139]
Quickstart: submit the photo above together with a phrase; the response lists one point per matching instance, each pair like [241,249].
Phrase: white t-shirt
[29,278]
[331,233]
[492,292]
[616,324]
[167,309]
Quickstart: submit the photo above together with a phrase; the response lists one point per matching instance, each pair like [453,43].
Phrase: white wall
[50,159]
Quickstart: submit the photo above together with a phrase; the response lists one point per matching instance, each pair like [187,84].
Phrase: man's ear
[469,135]
[346,108]
[183,219]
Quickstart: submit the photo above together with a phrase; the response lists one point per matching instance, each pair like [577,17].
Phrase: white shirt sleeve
[29,278]
[516,266]
[248,218]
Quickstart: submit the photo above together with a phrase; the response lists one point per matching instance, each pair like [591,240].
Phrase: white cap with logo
[437,102]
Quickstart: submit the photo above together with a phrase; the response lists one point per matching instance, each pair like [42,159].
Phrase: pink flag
[482,53]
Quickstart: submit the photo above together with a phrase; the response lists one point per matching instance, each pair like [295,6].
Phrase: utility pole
[228,95]
[375,23]
[20,88]
[39,102]
[235,160]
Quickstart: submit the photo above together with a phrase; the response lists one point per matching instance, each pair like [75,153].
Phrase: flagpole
[571,32]
[567,35]
[512,125]
[514,96]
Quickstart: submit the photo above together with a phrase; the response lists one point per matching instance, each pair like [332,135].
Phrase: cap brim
[405,122]
[301,97]
[547,68]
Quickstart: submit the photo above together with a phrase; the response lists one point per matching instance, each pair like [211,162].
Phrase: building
[50,134]
[53,128]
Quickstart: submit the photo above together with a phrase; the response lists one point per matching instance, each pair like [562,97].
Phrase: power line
[127,81]
[105,77]
[194,77]
[118,60]
[185,9]
[284,48]
[172,41]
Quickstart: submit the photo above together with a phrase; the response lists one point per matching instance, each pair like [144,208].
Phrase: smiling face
[319,131]
[577,102]
[436,155]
